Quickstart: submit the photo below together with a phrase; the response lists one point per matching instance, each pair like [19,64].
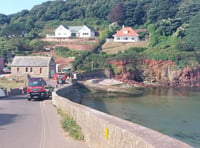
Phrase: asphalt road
[32,124]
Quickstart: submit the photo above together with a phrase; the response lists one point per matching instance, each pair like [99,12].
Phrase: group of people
[61,80]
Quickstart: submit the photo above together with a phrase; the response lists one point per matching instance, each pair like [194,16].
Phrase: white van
[2,93]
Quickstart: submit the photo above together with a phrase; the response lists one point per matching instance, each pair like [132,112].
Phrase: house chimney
[122,26]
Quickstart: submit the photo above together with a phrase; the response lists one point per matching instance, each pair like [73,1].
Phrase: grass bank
[10,83]
[115,47]
[70,126]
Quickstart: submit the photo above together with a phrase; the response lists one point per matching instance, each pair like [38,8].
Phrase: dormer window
[125,31]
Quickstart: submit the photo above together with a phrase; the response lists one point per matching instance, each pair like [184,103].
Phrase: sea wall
[105,131]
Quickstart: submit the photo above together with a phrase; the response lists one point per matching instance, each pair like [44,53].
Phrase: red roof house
[126,34]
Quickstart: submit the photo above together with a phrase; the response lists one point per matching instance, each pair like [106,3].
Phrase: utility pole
[92,65]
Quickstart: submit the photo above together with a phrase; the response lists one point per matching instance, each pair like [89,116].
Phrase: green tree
[4,19]
[192,38]
[130,12]
[162,9]
[14,30]
[37,44]
[188,9]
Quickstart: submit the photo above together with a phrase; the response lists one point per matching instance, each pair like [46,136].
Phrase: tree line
[171,23]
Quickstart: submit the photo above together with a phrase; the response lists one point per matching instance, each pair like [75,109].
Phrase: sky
[13,6]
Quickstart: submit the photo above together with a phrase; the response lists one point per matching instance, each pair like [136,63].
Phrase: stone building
[34,66]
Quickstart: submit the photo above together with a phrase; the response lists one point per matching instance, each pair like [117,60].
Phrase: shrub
[136,49]
[65,52]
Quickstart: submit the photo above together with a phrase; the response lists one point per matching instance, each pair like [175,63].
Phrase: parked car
[2,93]
[60,77]
[6,70]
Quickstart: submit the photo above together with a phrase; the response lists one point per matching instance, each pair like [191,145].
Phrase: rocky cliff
[151,72]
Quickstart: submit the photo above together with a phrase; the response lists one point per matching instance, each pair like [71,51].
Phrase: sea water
[171,111]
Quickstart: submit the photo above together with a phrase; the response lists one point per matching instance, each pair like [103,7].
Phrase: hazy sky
[14,6]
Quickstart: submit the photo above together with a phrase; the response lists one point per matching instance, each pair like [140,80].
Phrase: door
[52,72]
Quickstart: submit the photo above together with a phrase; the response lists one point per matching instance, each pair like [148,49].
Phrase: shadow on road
[7,118]
[20,97]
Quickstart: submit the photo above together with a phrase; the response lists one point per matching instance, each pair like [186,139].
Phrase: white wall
[86,32]
[126,39]
[62,32]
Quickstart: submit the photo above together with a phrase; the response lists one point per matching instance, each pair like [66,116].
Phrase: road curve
[32,124]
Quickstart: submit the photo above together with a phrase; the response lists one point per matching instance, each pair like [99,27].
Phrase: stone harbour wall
[105,131]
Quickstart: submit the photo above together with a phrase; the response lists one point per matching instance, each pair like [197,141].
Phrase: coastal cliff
[151,72]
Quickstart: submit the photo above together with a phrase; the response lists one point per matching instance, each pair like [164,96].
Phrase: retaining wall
[105,131]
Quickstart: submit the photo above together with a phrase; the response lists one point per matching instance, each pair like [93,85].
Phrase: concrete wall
[14,91]
[105,131]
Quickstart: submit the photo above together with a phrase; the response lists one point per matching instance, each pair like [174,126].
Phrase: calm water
[175,112]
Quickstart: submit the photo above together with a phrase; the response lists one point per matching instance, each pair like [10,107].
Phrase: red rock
[159,73]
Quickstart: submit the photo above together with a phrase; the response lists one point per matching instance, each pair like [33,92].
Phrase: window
[40,70]
[85,33]
[73,34]
[17,69]
[126,31]
[31,70]
[26,69]
[35,83]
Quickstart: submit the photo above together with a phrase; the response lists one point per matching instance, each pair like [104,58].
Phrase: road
[32,124]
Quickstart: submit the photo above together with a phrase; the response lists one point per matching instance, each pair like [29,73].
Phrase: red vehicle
[36,89]
[60,77]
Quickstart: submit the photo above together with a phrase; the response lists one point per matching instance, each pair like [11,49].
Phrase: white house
[126,34]
[86,32]
[62,32]
[72,31]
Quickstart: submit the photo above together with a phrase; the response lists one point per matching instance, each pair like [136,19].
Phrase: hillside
[76,44]
[98,14]
[115,47]
[172,27]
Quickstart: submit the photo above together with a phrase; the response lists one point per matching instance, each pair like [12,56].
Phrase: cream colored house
[34,66]
[72,31]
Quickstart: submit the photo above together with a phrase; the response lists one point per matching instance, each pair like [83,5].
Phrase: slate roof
[31,61]
[129,32]
[75,28]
